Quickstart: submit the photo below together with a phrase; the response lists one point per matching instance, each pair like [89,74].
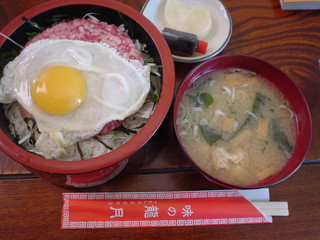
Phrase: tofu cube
[252,80]
[228,124]
[263,129]
[233,80]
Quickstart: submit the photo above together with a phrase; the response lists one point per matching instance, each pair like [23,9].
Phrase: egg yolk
[58,90]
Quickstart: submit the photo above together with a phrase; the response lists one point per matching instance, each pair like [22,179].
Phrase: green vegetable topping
[32,34]
[153,96]
[149,60]
[206,98]
[280,137]
[209,135]
[128,25]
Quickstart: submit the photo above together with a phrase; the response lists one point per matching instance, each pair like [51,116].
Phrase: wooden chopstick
[272,208]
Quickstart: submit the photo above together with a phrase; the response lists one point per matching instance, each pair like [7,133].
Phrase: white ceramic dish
[217,38]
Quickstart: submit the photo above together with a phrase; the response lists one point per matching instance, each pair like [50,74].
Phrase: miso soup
[236,126]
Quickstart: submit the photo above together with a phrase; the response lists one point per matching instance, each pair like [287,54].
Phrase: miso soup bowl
[126,158]
[281,81]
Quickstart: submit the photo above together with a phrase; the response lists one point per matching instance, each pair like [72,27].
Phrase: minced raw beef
[92,30]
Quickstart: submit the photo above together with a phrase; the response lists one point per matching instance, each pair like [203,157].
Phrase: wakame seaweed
[206,98]
[258,102]
[280,137]
[209,135]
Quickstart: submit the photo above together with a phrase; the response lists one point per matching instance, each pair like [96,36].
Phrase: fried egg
[73,88]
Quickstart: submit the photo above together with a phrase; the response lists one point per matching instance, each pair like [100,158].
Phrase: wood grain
[33,208]
[30,208]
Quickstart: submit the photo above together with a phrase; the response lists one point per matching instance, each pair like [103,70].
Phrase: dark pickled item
[183,43]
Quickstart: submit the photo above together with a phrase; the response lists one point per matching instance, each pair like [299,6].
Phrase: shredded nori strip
[31,123]
[103,143]
[125,130]
[80,151]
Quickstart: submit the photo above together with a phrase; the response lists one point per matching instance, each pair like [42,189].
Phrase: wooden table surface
[30,208]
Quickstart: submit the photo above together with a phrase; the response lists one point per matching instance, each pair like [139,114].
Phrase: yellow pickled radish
[187,17]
